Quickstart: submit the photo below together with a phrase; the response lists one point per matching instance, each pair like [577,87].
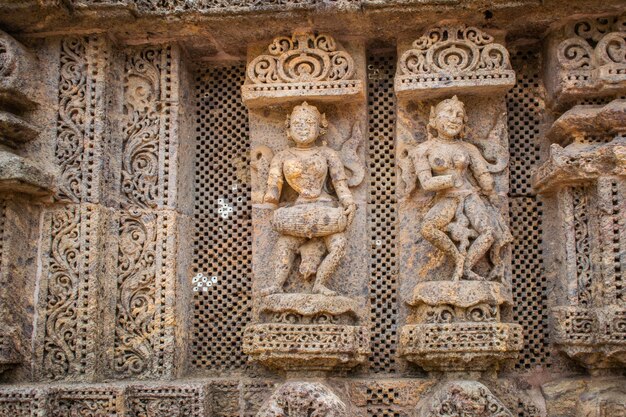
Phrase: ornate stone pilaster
[144,326]
[585,175]
[73,231]
[454,235]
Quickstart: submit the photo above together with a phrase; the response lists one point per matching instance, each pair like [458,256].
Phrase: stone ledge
[429,86]
[460,346]
[259,95]
[307,347]
[18,174]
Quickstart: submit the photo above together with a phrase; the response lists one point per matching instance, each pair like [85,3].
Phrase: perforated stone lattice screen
[223,228]
[382,212]
[222,213]
[525,116]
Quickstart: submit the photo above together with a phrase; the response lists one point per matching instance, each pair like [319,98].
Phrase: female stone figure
[460,222]
[315,222]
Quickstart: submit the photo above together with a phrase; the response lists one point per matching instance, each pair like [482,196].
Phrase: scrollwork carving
[453,57]
[60,339]
[134,348]
[304,57]
[140,163]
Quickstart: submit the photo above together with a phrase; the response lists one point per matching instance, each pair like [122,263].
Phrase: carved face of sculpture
[305,124]
[448,118]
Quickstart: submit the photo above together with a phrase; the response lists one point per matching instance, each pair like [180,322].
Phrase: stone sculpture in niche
[307,187]
[460,399]
[314,224]
[303,399]
[460,222]
[455,320]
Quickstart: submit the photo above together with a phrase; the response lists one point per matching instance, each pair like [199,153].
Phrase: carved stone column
[585,174]
[73,229]
[452,151]
[24,183]
[147,278]
[308,194]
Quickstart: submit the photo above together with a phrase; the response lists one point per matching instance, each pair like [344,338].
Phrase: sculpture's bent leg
[437,219]
[284,254]
[479,218]
[336,245]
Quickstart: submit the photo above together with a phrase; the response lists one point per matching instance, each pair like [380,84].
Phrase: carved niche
[587,58]
[305,66]
[308,208]
[585,177]
[454,237]
[453,60]
[455,318]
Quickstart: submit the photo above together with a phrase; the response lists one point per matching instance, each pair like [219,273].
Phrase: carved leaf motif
[583,249]
[350,157]
[60,325]
[71,117]
[135,296]
[142,109]
[304,57]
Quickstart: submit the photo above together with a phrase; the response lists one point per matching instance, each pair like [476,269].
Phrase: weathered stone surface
[453,60]
[584,59]
[578,397]
[336,246]
[21,175]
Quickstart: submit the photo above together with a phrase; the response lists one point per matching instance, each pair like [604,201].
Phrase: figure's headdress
[307,107]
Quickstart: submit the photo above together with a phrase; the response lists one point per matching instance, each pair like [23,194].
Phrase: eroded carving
[314,224]
[463,221]
[588,57]
[463,398]
[454,59]
[303,399]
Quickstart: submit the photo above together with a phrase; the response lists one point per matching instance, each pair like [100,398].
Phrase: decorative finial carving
[303,66]
[454,59]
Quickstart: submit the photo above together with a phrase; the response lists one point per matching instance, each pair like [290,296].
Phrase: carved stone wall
[312,208]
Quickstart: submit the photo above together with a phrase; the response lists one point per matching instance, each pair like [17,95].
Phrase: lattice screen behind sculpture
[382,211]
[224,231]
[525,116]
[222,214]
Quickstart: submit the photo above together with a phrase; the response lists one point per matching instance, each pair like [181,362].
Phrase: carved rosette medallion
[586,58]
[453,60]
[461,399]
[585,173]
[303,399]
[305,66]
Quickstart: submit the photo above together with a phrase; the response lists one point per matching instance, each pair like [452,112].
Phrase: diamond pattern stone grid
[525,116]
[222,214]
[382,212]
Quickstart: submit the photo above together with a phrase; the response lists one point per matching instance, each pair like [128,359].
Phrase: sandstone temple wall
[312,208]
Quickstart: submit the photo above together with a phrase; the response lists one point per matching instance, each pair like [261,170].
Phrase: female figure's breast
[306,174]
